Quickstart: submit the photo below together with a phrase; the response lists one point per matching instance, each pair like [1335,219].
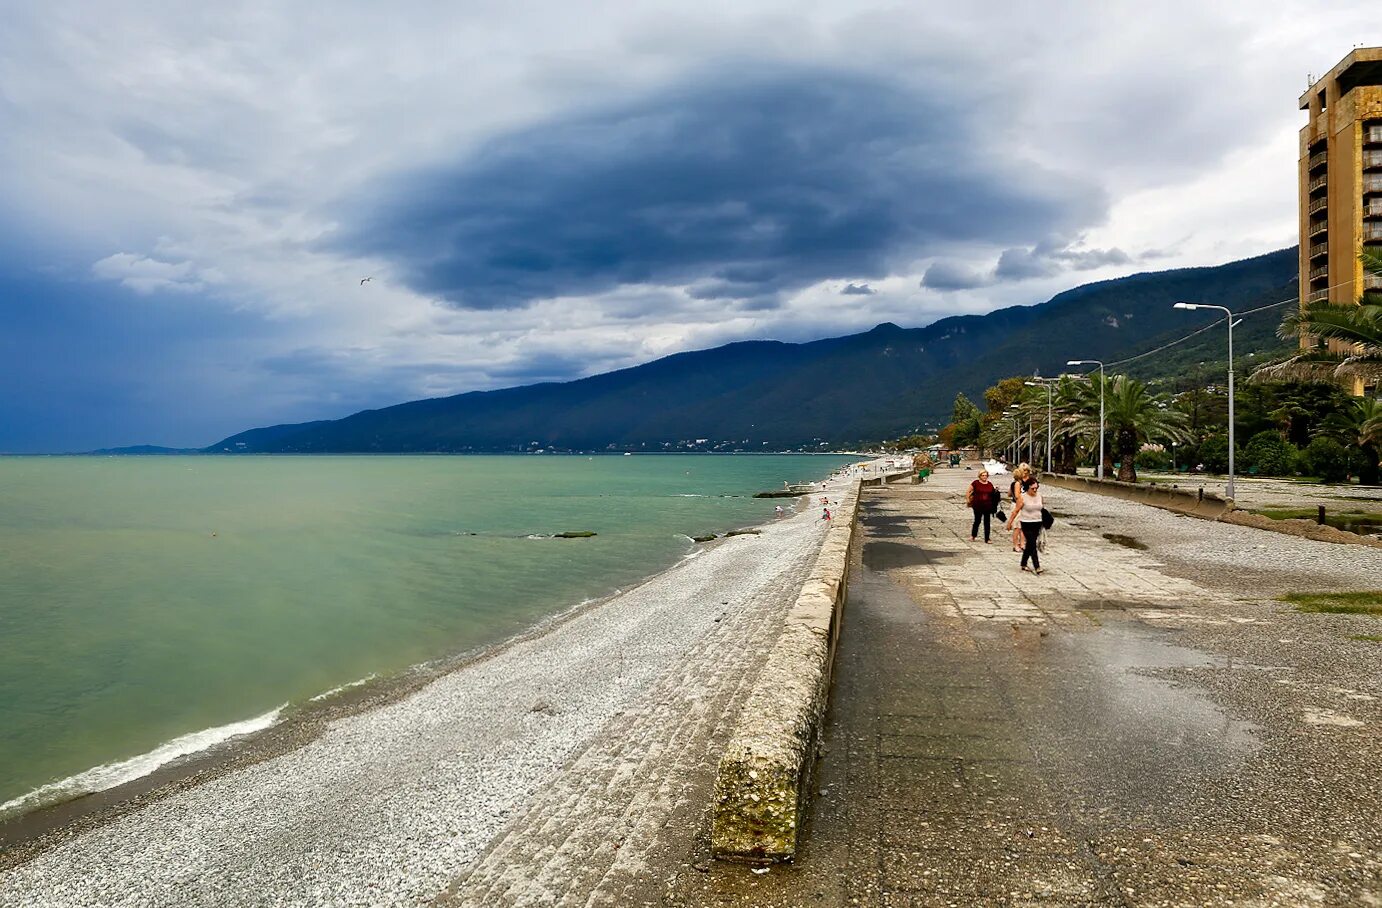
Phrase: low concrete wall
[762,785]
[1195,502]
[888,477]
[1307,529]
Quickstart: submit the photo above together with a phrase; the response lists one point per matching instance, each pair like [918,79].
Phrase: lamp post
[1228,317]
[1012,443]
[1095,362]
[1047,382]
[1012,413]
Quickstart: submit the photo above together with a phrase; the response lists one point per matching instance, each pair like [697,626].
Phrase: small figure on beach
[1029,513]
[983,499]
[779,511]
[825,514]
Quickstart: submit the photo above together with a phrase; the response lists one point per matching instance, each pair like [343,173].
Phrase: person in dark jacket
[982,498]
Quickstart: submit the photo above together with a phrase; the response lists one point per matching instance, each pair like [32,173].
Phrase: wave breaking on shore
[110,775]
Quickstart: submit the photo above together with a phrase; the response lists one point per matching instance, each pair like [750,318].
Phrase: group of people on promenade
[1029,515]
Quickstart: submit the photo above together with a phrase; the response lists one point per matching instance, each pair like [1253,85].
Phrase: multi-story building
[1341,180]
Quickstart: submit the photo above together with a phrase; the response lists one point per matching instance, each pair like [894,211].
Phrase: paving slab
[1140,725]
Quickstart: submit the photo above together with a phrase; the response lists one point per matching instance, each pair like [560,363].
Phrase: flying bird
[363,280]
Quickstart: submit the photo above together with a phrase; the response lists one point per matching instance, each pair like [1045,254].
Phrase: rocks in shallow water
[575,534]
[743,532]
[707,538]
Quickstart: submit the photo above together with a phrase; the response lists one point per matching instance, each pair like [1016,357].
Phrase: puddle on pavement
[882,556]
[1157,710]
[1128,542]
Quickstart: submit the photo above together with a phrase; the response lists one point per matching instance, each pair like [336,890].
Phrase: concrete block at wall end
[763,780]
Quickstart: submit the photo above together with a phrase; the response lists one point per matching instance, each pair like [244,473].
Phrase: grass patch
[1366,602]
[1367,638]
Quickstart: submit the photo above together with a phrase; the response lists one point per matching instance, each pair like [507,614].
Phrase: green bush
[1213,454]
[1268,454]
[1328,459]
[1152,459]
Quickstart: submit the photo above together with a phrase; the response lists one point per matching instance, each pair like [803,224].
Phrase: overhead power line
[1213,324]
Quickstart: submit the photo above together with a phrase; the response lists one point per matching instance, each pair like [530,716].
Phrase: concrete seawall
[763,781]
[1195,502]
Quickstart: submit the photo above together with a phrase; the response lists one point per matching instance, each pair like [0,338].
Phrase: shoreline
[397,793]
[25,836]
[31,835]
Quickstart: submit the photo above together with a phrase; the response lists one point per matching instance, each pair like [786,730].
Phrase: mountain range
[842,391]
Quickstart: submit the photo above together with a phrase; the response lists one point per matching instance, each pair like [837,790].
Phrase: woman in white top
[1027,514]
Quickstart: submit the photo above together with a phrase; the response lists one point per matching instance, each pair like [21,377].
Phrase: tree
[1002,395]
[1327,459]
[1360,424]
[1269,455]
[1355,330]
[963,409]
[1134,416]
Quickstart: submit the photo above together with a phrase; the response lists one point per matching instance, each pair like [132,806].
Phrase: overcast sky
[191,194]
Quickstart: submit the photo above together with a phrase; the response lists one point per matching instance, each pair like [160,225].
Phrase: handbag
[1002,518]
[1047,518]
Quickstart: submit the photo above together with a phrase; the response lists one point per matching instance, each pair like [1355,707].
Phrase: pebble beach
[391,805]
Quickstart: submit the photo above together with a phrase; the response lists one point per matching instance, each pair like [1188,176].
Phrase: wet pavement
[1108,733]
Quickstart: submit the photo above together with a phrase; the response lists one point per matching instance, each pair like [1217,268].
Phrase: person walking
[982,498]
[1021,473]
[1027,513]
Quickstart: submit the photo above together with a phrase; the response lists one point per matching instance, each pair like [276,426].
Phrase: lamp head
[1078,362]
[1185,305]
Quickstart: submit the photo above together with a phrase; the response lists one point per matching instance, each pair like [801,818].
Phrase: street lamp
[1228,317]
[1095,362]
[1047,382]
[1012,443]
[1015,412]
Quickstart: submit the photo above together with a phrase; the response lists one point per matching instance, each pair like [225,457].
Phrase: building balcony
[1319,182]
[1372,182]
[1322,271]
[1319,205]
[1318,228]
[1373,209]
[1317,296]
[1372,135]
[1372,232]
[1317,160]
[1318,250]
[1372,159]
[1372,281]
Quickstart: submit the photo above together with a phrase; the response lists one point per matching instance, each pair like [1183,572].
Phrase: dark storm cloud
[953,276]
[1053,256]
[857,290]
[746,186]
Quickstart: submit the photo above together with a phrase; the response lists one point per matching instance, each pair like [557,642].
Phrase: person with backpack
[983,499]
[1030,513]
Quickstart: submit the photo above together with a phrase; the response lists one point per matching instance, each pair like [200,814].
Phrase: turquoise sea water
[143,600]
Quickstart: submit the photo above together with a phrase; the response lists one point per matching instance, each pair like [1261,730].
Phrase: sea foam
[109,775]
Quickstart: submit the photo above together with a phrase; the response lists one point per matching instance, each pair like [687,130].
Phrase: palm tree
[1360,424]
[1133,417]
[1355,328]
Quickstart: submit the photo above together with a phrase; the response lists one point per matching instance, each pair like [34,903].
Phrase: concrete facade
[1341,182]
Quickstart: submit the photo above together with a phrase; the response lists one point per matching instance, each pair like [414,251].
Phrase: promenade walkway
[1141,725]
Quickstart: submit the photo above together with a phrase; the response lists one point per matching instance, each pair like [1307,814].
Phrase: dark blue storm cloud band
[739,186]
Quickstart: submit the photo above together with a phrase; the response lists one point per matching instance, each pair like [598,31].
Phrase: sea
[151,607]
